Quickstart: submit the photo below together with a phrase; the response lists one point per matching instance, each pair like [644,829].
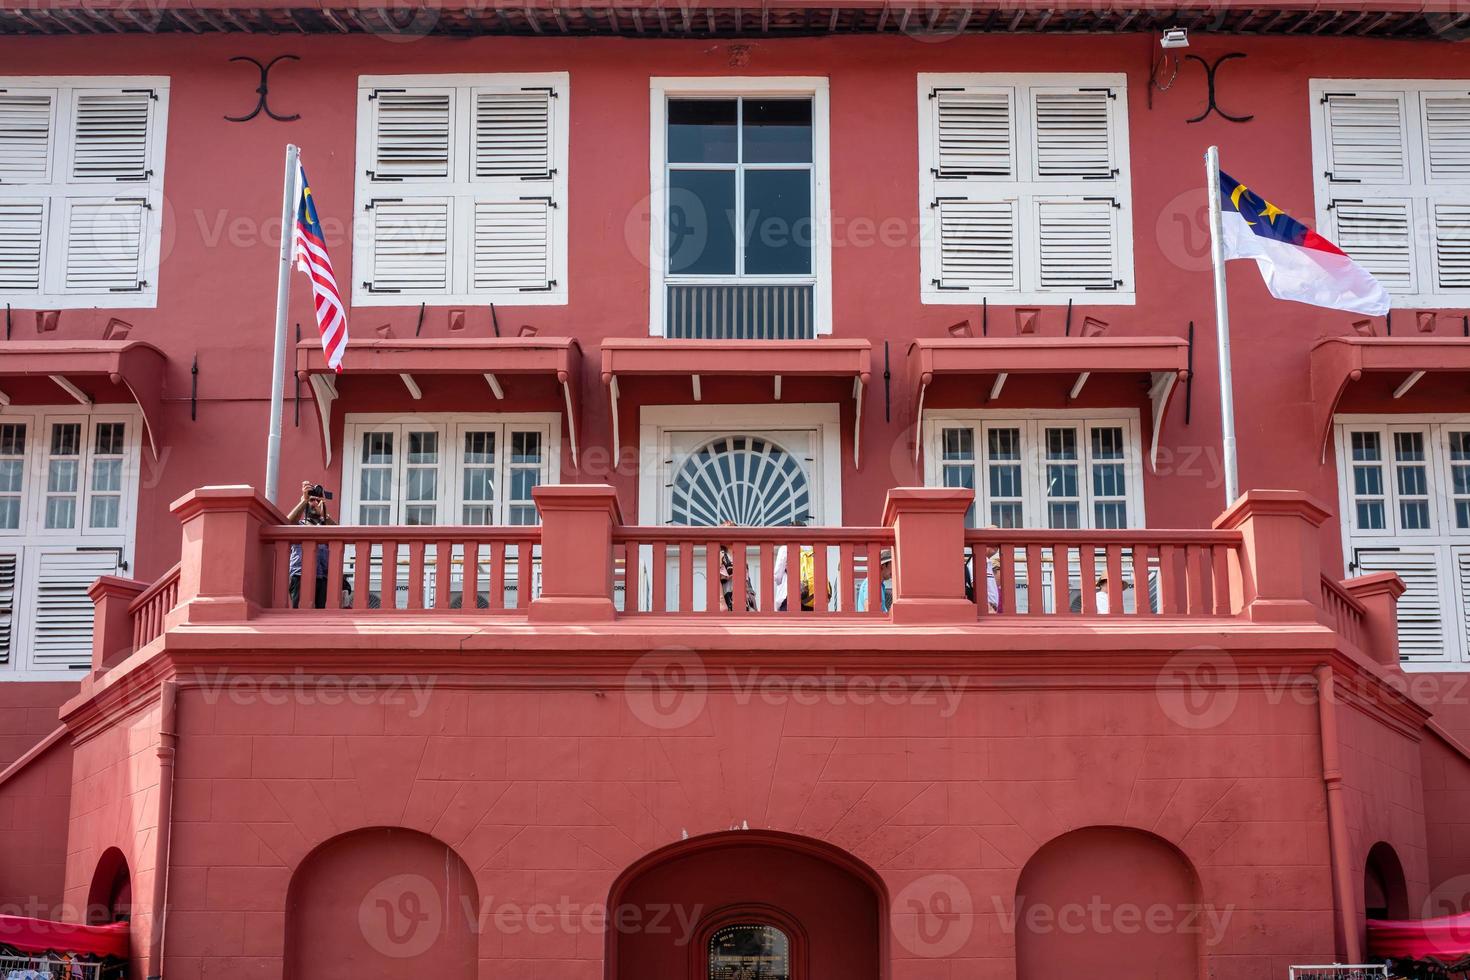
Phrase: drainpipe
[168,740]
[1337,840]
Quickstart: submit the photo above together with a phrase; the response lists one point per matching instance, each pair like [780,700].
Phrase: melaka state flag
[1296,262]
[310,248]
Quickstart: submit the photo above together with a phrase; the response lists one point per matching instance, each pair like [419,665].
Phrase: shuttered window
[1025,187]
[459,185]
[1405,501]
[1392,162]
[68,502]
[81,188]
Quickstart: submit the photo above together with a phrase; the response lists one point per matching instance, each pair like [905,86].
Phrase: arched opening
[381,903]
[1109,903]
[110,897]
[747,904]
[1385,893]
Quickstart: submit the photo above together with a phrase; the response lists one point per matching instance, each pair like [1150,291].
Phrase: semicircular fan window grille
[745,479]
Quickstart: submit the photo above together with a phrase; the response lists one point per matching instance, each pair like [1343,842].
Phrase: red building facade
[884,287]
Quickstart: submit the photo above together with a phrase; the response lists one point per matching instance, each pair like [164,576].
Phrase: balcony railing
[740,311]
[676,570]
[1106,573]
[376,570]
[583,566]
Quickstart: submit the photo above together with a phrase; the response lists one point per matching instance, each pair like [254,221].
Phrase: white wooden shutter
[1421,618]
[1076,244]
[512,134]
[104,245]
[975,132]
[412,134]
[110,134]
[9,568]
[1447,137]
[410,246]
[22,242]
[512,245]
[1378,234]
[977,244]
[1367,139]
[1452,246]
[1073,134]
[26,121]
[62,612]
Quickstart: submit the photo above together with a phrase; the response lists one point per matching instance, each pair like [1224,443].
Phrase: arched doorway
[382,903]
[1385,893]
[1109,903]
[756,904]
[110,897]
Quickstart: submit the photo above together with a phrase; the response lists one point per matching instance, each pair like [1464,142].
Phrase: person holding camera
[310,509]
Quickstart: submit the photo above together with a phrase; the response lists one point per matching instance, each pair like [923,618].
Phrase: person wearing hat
[885,565]
[310,509]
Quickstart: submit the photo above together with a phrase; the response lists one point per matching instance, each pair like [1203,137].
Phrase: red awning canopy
[1444,938]
[87,372]
[418,360]
[45,936]
[1165,360]
[774,359]
[1338,361]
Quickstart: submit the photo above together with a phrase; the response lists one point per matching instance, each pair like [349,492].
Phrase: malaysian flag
[310,249]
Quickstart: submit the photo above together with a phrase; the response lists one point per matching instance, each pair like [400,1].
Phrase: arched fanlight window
[749,951]
[745,479]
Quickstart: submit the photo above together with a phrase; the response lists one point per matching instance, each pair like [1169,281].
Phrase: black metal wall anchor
[262,91]
[1213,105]
[194,390]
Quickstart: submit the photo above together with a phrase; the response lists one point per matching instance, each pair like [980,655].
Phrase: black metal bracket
[194,389]
[296,390]
[1068,331]
[887,387]
[262,91]
[1189,378]
[985,316]
[1213,105]
[419,328]
[494,320]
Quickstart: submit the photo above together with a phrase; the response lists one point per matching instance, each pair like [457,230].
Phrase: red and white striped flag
[310,249]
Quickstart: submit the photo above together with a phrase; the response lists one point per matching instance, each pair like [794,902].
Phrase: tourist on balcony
[311,509]
[727,578]
[992,566]
[885,565]
[780,580]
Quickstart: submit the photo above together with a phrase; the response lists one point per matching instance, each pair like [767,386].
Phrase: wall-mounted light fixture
[1171,39]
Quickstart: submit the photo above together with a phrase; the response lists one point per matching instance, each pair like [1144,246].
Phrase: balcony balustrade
[1258,566]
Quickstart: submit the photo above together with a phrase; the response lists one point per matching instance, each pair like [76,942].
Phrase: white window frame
[1442,536]
[61,190]
[450,427]
[1421,194]
[661,90]
[458,188]
[31,541]
[1026,192]
[659,425]
[1033,424]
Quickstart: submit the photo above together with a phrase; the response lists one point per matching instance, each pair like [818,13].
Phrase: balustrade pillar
[577,521]
[929,554]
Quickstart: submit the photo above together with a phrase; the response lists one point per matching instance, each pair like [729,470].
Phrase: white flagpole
[1222,326]
[283,297]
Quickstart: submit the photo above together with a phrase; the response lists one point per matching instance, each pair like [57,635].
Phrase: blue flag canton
[306,211]
[1264,218]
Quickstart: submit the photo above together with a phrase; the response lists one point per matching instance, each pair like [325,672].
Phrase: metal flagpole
[1222,326]
[283,296]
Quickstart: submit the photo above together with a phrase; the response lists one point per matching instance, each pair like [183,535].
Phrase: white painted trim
[1031,421]
[1025,188]
[462,190]
[816,86]
[659,423]
[1417,189]
[31,540]
[449,425]
[59,188]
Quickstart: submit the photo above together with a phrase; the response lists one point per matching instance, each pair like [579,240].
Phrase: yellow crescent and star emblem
[1268,210]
